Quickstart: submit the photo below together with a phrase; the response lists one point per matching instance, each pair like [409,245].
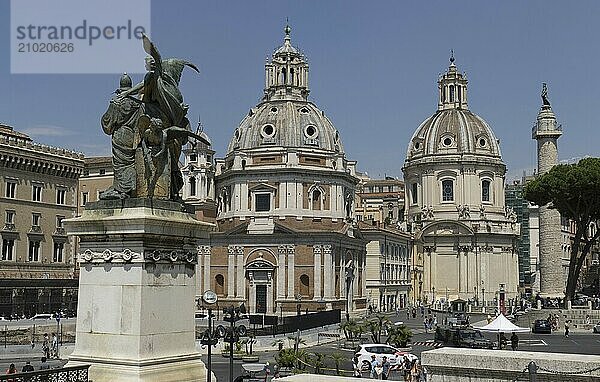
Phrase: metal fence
[65,374]
[291,324]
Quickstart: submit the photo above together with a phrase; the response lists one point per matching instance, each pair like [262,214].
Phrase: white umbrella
[501,324]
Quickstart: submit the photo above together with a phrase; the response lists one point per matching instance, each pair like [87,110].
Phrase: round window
[304,110]
[482,142]
[273,110]
[417,145]
[447,141]
[237,134]
[310,131]
[268,131]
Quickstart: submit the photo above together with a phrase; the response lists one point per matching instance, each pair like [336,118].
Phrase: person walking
[514,341]
[54,346]
[356,367]
[567,328]
[374,367]
[385,368]
[27,368]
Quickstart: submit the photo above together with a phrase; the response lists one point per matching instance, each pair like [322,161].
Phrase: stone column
[136,288]
[329,273]
[317,293]
[240,277]
[546,132]
[231,271]
[290,274]
[281,250]
[206,265]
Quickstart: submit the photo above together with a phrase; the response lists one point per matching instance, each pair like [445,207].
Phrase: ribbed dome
[453,131]
[286,123]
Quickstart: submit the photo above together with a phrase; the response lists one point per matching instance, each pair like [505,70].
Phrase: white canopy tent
[501,324]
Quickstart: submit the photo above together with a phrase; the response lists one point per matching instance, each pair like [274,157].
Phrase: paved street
[578,342]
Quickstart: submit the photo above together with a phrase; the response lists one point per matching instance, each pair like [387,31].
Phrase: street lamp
[232,314]
[209,338]
[433,296]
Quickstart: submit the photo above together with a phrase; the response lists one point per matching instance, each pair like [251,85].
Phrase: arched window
[219,285]
[459,88]
[292,76]
[485,190]
[316,200]
[304,285]
[192,186]
[451,90]
[447,190]
[283,76]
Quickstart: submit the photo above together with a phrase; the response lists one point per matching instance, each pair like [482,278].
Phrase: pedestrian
[356,367]
[567,328]
[54,346]
[415,370]
[46,346]
[425,325]
[27,368]
[407,313]
[514,341]
[435,322]
[406,368]
[44,365]
[385,368]
[11,370]
[374,367]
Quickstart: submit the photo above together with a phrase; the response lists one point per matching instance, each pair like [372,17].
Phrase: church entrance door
[261,298]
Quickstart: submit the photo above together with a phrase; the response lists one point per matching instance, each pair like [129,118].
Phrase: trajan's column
[546,132]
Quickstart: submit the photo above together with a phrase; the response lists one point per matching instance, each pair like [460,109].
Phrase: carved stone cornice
[171,256]
[108,256]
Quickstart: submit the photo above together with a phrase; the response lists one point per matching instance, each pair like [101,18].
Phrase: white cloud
[47,131]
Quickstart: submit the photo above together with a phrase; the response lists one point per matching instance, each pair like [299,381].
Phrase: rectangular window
[102,171]
[35,219]
[8,249]
[59,248]
[84,198]
[193,158]
[11,189]
[447,190]
[10,217]
[36,193]
[485,190]
[263,202]
[34,250]
[381,189]
[414,194]
[61,196]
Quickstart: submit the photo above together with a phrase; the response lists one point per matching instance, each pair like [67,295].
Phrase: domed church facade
[454,174]
[286,239]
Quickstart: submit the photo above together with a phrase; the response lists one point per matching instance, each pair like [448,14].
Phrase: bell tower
[286,74]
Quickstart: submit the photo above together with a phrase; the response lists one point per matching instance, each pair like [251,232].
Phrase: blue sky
[373,69]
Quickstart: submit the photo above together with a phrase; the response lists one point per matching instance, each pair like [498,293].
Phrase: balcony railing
[35,229]
[66,374]
[60,231]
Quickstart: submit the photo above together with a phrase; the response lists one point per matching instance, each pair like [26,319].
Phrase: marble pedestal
[135,317]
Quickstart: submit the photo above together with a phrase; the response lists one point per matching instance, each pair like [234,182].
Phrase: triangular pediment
[262,187]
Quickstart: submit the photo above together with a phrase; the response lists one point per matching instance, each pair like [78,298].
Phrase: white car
[394,356]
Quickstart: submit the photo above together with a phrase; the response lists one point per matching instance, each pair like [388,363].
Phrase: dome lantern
[286,74]
[453,88]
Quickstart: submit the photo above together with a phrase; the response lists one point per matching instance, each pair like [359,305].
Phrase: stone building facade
[465,236]
[380,200]
[389,266]
[38,190]
[286,240]
[198,173]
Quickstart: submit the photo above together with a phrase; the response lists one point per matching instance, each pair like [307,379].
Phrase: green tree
[376,326]
[399,336]
[574,191]
[337,359]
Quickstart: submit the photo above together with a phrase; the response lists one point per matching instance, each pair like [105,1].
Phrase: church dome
[289,124]
[453,128]
[285,118]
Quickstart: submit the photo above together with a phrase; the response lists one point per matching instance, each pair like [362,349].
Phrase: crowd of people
[50,351]
[412,371]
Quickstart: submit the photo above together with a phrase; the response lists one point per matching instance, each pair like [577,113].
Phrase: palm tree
[337,358]
[376,325]
[399,336]
[318,362]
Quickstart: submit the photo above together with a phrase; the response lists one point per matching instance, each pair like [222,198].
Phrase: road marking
[534,342]
[576,343]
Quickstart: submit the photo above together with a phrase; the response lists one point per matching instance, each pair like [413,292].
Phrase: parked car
[542,326]
[394,356]
[43,316]
[458,319]
[596,328]
[462,337]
